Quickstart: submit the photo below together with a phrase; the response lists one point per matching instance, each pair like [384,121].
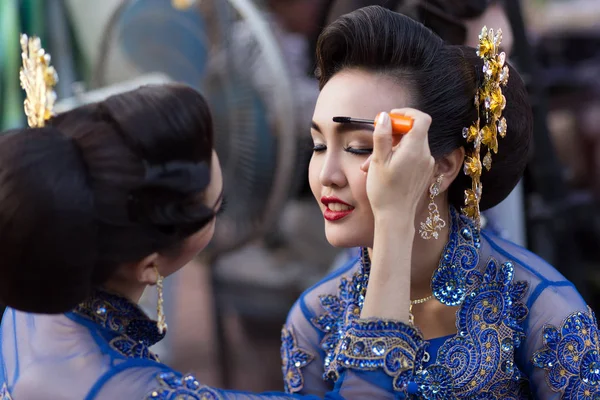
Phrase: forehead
[359,94]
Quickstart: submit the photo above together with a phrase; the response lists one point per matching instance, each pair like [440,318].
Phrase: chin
[345,237]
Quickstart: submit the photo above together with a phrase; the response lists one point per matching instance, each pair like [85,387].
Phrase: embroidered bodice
[523,331]
[101,351]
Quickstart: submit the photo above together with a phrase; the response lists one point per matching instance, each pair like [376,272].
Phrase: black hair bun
[46,211]
[508,165]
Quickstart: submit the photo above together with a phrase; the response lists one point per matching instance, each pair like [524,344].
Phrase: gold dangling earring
[160,312]
[434,223]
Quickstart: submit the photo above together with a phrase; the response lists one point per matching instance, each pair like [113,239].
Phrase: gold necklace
[411,317]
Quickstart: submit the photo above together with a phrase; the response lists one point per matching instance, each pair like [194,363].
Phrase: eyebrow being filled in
[345,127]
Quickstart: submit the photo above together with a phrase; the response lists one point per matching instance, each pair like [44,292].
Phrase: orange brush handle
[401,124]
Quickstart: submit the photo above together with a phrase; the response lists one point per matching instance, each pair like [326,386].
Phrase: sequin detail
[4,393]
[123,324]
[389,345]
[571,357]
[174,387]
[340,310]
[293,360]
[460,256]
[480,358]
[478,362]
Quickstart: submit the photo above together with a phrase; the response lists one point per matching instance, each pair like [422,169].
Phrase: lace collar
[122,323]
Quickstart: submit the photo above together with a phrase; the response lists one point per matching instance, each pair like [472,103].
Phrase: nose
[332,173]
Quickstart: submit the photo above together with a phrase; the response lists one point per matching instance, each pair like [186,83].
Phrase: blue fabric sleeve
[561,346]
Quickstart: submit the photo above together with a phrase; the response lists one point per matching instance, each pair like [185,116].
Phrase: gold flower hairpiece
[490,102]
[38,79]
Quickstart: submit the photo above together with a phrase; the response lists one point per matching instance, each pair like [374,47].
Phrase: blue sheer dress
[100,350]
[522,330]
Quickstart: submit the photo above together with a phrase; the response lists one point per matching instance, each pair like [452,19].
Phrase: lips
[335,209]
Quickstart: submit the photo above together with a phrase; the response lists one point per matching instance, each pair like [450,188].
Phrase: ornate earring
[160,312]
[434,223]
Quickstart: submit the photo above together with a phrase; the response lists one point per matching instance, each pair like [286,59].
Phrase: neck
[131,292]
[426,259]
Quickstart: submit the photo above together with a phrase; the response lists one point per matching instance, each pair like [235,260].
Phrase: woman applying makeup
[98,203]
[487,319]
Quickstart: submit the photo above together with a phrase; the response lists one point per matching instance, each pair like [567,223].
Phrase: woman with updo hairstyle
[482,317]
[95,205]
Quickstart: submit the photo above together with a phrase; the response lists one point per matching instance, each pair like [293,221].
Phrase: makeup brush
[401,124]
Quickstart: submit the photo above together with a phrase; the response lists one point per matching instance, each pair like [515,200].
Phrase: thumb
[382,138]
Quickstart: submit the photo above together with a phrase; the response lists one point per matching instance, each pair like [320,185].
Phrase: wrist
[395,221]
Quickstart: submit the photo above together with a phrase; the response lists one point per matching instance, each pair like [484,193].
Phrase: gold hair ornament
[38,79]
[486,129]
[182,4]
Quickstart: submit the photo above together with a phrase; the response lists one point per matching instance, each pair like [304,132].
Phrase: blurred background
[254,61]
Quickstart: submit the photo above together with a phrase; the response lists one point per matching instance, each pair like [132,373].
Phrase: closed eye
[359,152]
[318,148]
[223,206]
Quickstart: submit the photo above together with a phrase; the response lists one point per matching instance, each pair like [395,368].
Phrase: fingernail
[384,118]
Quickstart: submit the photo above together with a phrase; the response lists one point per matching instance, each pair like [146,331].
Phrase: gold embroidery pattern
[293,360]
[122,324]
[390,345]
[479,360]
[571,356]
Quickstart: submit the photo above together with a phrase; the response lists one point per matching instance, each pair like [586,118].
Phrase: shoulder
[542,278]
[550,300]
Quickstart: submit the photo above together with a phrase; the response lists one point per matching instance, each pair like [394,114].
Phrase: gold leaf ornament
[38,79]
[490,103]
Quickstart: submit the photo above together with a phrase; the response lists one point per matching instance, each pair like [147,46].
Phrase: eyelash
[223,206]
[359,152]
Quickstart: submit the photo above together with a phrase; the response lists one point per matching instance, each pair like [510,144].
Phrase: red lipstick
[341,208]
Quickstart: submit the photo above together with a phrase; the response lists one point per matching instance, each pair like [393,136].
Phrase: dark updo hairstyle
[442,81]
[101,185]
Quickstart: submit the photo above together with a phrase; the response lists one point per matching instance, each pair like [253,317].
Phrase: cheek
[192,246]
[314,170]
[198,242]
[358,182]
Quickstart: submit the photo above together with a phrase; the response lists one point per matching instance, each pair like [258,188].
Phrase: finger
[365,166]
[418,135]
[382,138]
[421,121]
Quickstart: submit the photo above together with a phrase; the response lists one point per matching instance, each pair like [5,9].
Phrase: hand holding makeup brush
[397,178]
[399,175]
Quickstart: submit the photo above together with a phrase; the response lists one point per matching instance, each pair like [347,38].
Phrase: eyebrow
[344,128]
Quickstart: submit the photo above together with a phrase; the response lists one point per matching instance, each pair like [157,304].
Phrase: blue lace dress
[523,330]
[100,350]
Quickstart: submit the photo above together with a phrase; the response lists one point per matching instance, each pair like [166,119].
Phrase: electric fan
[226,50]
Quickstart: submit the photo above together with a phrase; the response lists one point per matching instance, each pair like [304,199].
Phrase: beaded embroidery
[127,329]
[391,346]
[342,309]
[460,256]
[479,359]
[293,359]
[478,362]
[173,386]
[571,357]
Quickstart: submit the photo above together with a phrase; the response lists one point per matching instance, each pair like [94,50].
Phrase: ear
[450,166]
[145,270]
